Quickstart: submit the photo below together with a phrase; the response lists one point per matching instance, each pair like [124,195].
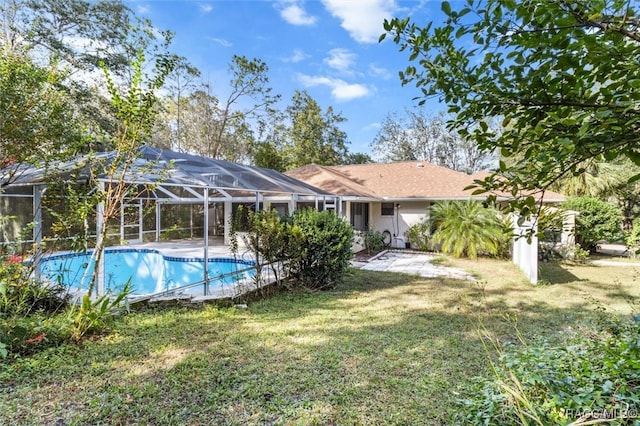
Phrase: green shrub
[22,335]
[373,241]
[269,238]
[322,258]
[28,309]
[312,247]
[22,295]
[595,375]
[505,236]
[577,254]
[572,253]
[29,334]
[597,220]
[633,239]
[420,235]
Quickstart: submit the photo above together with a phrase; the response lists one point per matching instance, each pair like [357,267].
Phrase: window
[387,209]
[360,216]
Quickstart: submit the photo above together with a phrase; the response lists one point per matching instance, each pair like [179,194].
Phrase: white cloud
[205,7]
[340,59]
[376,71]
[340,89]
[294,14]
[143,8]
[372,126]
[221,41]
[363,18]
[298,55]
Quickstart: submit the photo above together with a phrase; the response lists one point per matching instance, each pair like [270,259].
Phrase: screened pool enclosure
[170,196]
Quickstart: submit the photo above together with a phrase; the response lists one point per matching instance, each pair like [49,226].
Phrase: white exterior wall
[568,237]
[408,214]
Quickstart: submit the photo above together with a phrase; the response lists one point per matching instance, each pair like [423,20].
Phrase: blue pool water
[149,270]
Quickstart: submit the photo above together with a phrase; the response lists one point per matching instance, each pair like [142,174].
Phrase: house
[391,197]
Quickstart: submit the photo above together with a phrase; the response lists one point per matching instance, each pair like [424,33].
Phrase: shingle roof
[331,180]
[401,180]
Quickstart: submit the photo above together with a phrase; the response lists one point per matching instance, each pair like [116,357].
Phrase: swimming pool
[149,270]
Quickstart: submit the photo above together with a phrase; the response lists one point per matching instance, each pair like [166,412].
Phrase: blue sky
[327,47]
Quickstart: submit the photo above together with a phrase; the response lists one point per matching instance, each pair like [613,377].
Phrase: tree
[420,136]
[609,181]
[77,36]
[467,228]
[626,192]
[269,141]
[392,141]
[313,136]
[633,238]
[597,180]
[168,132]
[197,120]
[538,66]
[597,220]
[249,79]
[357,158]
[37,121]
[80,34]
[268,156]
[199,127]
[135,108]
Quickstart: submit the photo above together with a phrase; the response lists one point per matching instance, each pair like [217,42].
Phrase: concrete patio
[409,262]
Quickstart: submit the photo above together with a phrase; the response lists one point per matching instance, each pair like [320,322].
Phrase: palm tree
[613,182]
[597,179]
[466,228]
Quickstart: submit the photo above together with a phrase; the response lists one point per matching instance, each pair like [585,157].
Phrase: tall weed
[94,316]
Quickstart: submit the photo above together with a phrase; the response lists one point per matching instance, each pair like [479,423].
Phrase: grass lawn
[380,349]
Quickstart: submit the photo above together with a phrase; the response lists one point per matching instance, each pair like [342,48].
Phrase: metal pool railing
[205,283]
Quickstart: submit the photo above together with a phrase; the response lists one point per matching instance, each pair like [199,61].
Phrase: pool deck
[189,248]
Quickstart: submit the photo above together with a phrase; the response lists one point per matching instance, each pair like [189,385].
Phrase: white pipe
[206,241]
